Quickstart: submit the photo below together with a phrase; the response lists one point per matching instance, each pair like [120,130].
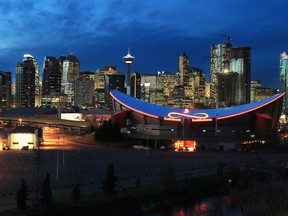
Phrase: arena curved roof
[156,111]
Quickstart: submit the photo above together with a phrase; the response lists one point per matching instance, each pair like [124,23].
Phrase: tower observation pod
[128,59]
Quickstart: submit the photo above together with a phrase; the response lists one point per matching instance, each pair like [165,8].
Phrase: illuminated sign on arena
[195,117]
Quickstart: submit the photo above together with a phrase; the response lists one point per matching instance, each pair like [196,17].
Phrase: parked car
[146,148]
[25,147]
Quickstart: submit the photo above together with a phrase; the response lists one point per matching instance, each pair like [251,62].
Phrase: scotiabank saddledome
[243,123]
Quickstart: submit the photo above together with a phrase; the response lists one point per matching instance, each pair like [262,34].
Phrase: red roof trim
[135,110]
[252,109]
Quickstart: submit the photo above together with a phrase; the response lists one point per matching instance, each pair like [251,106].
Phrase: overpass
[45,122]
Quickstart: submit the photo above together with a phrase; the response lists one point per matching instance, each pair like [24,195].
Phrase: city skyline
[100,34]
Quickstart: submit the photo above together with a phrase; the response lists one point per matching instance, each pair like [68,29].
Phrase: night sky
[99,32]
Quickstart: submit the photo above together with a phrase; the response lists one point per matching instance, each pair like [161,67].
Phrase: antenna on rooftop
[228,37]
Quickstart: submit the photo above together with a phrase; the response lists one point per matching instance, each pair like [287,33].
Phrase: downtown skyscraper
[99,99]
[51,76]
[283,71]
[84,90]
[190,90]
[135,85]
[27,82]
[51,81]
[240,63]
[234,64]
[70,70]
[184,70]
[113,82]
[5,90]
[220,63]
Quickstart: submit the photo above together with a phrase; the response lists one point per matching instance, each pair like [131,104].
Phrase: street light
[63,158]
[79,132]
[216,124]
[57,161]
[147,144]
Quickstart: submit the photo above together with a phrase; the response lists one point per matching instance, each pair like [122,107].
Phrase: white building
[24,137]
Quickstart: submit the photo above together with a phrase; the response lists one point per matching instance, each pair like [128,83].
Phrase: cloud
[105,29]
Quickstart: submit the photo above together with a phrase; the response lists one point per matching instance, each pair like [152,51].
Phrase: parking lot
[86,165]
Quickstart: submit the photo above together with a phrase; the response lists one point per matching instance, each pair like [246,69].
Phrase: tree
[22,195]
[76,193]
[137,183]
[103,132]
[46,194]
[109,183]
[116,131]
[108,132]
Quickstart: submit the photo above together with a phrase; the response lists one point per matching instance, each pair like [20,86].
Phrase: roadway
[70,162]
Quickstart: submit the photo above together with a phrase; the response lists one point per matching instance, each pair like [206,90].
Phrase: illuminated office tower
[180,100]
[99,92]
[70,72]
[225,59]
[165,83]
[254,84]
[135,89]
[51,80]
[226,89]
[89,74]
[283,78]
[184,70]
[13,93]
[220,63]
[5,90]
[207,90]
[100,76]
[84,90]
[128,59]
[198,79]
[27,82]
[148,87]
[38,86]
[185,83]
[113,82]
[262,93]
[51,76]
[241,64]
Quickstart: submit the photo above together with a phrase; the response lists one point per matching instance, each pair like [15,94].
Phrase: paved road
[86,165]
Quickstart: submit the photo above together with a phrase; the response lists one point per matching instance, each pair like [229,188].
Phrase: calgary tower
[128,59]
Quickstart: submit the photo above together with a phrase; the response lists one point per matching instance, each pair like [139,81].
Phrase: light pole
[183,132]
[147,144]
[216,125]
[57,165]
[79,132]
[57,160]
[63,159]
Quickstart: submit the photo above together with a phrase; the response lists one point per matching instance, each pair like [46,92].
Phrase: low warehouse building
[24,137]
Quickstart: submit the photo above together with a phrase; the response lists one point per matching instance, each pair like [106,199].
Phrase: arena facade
[221,128]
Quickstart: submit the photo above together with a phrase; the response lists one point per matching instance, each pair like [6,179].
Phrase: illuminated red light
[194,115]
[135,110]
[201,120]
[172,119]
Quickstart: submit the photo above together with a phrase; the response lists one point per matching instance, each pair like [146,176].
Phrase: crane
[229,38]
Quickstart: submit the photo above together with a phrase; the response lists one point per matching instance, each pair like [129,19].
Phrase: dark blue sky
[99,32]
